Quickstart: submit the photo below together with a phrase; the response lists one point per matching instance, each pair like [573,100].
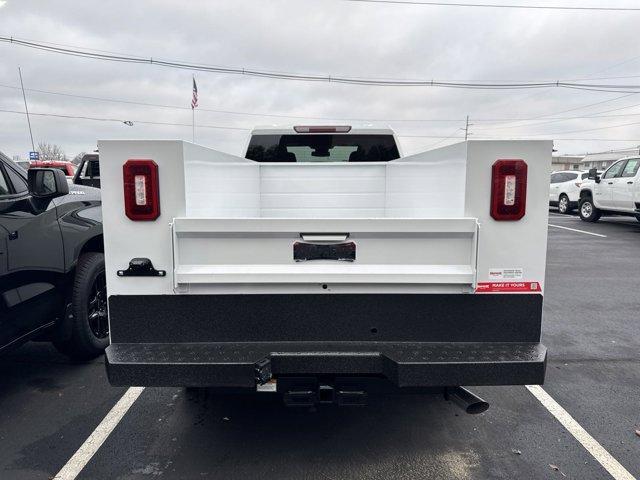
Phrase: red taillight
[508,189]
[141,189]
[322,129]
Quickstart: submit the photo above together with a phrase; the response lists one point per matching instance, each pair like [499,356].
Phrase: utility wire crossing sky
[505,85]
[497,5]
[556,69]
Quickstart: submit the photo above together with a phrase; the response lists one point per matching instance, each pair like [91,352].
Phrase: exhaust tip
[477,407]
[466,400]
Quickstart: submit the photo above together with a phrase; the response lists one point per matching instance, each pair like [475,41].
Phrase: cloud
[324,37]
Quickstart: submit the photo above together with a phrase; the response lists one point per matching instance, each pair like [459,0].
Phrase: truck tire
[89,324]
[638,217]
[564,205]
[588,211]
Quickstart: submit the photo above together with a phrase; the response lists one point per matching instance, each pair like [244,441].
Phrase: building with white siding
[603,160]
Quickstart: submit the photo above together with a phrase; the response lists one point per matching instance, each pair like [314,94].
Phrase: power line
[444,139]
[83,53]
[580,107]
[302,117]
[125,121]
[624,62]
[570,139]
[231,112]
[599,71]
[149,122]
[617,150]
[553,134]
[524,137]
[595,115]
[586,129]
[598,89]
[497,5]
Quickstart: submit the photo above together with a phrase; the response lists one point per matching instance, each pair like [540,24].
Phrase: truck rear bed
[395,271]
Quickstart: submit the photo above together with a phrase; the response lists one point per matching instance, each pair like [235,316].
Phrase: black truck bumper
[409,340]
[405,365]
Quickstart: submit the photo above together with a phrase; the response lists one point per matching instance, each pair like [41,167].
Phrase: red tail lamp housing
[141,190]
[508,190]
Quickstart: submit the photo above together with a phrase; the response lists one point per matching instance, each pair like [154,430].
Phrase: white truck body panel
[390,251]
[422,223]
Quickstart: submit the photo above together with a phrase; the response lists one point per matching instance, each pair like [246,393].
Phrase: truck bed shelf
[407,364]
[321,273]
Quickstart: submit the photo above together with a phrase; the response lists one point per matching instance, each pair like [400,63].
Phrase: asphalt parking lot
[49,406]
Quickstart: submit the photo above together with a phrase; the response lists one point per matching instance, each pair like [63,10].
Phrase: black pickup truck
[52,282]
[88,172]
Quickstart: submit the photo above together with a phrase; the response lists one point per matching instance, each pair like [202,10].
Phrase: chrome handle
[324,237]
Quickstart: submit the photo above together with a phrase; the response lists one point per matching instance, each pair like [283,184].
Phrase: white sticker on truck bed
[513,273]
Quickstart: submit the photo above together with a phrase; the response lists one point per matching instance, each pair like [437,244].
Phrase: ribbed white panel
[416,187]
[331,190]
[220,185]
[429,184]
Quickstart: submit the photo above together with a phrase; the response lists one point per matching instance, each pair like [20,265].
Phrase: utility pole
[466,129]
[26,109]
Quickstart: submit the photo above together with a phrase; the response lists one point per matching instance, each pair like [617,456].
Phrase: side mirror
[593,175]
[47,183]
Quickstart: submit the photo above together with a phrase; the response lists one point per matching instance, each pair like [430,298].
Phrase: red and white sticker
[511,287]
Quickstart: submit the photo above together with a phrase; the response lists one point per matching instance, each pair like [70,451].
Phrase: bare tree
[49,152]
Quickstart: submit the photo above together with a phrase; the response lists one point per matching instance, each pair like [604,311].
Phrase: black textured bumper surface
[405,364]
[430,318]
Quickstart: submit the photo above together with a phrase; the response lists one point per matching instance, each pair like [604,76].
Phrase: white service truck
[615,192]
[324,265]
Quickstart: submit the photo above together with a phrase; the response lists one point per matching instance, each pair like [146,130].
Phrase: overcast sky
[327,37]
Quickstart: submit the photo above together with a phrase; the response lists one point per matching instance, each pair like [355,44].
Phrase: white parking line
[579,231]
[91,445]
[597,451]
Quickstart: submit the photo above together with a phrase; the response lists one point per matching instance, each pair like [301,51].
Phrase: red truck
[68,168]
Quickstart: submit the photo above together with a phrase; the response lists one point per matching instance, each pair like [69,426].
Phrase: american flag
[194,100]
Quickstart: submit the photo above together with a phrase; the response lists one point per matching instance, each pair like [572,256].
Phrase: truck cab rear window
[322,148]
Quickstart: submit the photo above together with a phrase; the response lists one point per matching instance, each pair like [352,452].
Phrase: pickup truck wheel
[90,325]
[588,211]
[563,204]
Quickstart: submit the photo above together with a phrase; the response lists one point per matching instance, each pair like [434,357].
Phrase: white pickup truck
[325,265]
[615,192]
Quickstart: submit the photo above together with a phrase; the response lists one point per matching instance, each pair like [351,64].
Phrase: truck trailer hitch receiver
[262,371]
[466,400]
